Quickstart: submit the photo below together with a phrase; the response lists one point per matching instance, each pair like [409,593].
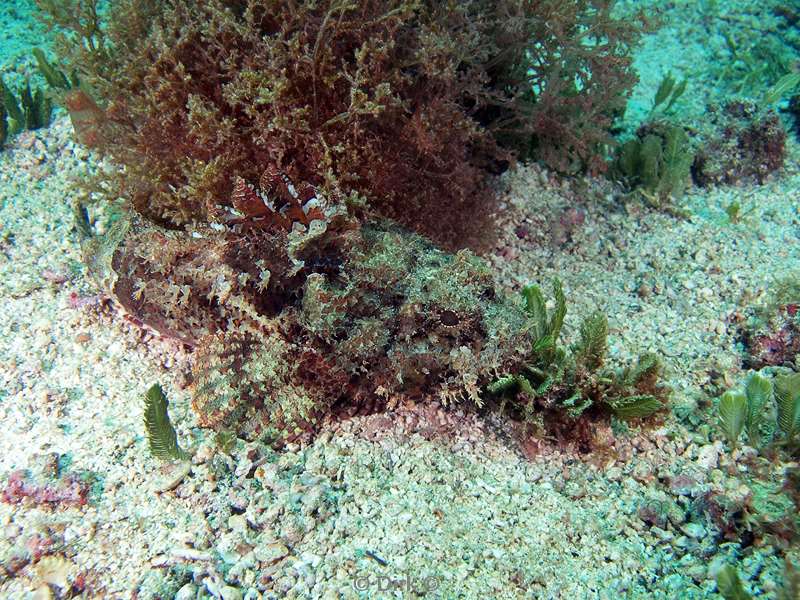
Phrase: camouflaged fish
[293,306]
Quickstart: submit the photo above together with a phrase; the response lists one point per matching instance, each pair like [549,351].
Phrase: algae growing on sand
[399,299]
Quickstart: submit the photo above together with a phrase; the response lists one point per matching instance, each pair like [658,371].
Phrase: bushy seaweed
[560,381]
[751,411]
[32,110]
[657,162]
[755,64]
[411,104]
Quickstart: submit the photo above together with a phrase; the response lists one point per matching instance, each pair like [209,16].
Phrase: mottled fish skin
[287,321]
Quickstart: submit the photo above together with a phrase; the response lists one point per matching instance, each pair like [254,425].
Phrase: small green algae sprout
[161,434]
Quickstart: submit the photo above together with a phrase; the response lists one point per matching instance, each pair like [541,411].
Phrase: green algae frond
[161,434]
[574,380]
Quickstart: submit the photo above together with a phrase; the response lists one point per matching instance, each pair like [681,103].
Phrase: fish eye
[449,318]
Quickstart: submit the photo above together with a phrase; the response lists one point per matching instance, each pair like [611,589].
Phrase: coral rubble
[744,143]
[771,335]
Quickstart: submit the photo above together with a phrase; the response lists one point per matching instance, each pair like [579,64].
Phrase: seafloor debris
[776,346]
[771,334]
[743,143]
[56,489]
